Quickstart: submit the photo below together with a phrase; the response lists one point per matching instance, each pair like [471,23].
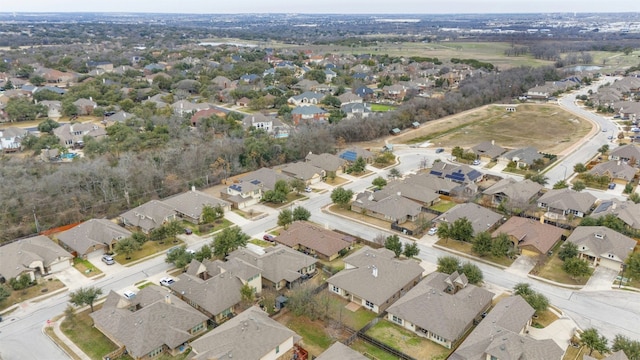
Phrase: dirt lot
[546,127]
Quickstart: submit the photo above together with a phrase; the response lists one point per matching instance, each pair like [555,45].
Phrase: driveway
[522,265]
[602,279]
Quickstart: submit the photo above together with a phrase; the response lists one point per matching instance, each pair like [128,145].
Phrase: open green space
[80,330]
[552,270]
[382,107]
[148,248]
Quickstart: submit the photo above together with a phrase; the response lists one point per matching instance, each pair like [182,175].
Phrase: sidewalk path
[70,344]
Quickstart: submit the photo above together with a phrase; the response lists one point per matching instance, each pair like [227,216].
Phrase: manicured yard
[355,320]
[443,205]
[87,337]
[85,267]
[465,247]
[148,248]
[336,181]
[206,229]
[406,341]
[382,107]
[552,270]
[18,296]
[314,334]
[545,318]
[359,216]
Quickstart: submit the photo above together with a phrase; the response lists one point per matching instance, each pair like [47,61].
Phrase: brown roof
[323,241]
[529,232]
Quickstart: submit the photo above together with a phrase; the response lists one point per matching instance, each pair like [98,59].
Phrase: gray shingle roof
[342,352]
[498,334]
[214,295]
[149,215]
[323,241]
[191,203]
[567,199]
[516,191]
[614,169]
[480,217]
[250,335]
[162,319]
[19,256]
[602,241]
[277,263]
[448,315]
[392,274]
[92,233]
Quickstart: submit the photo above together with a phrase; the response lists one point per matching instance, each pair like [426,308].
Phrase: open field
[546,127]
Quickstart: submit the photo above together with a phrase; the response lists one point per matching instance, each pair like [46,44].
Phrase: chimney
[193,188]
[493,142]
[375,271]
[167,299]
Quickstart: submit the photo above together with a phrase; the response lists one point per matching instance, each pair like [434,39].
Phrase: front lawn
[465,247]
[443,205]
[18,296]
[89,339]
[148,248]
[85,267]
[552,270]
[335,181]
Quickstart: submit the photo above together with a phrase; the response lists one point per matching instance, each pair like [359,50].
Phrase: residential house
[349,98]
[331,164]
[423,195]
[217,297]
[481,218]
[304,171]
[85,106]
[250,78]
[353,153]
[149,216]
[221,82]
[243,194]
[522,157]
[306,86]
[436,184]
[502,334]
[119,117]
[153,322]
[374,278]
[250,335]
[559,203]
[258,121]
[365,92]
[247,273]
[394,92]
[616,170]
[306,98]
[352,110]
[206,113]
[629,154]
[393,208]
[488,150]
[340,351]
[626,211]
[329,75]
[189,205]
[530,237]
[72,134]
[513,192]
[106,66]
[92,236]
[462,174]
[441,307]
[281,266]
[550,88]
[310,113]
[602,246]
[34,256]
[11,138]
[314,240]
[183,107]
[54,108]
[243,102]
[53,76]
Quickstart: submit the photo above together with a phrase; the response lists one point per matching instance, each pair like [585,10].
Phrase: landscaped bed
[407,341]
[85,267]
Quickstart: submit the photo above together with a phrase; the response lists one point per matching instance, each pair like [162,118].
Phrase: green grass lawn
[373,351]
[355,320]
[315,337]
[443,205]
[85,267]
[18,296]
[261,243]
[87,337]
[552,270]
[406,341]
[382,107]
[148,248]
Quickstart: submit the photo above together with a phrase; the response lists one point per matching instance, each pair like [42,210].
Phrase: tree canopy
[85,296]
[228,240]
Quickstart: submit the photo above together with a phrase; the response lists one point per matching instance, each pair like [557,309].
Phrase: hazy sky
[322,6]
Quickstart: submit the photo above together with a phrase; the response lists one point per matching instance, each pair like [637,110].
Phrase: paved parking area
[522,265]
[601,279]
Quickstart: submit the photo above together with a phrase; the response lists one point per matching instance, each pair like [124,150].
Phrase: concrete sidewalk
[70,345]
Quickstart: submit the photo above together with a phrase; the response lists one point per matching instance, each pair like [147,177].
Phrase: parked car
[612,186]
[129,294]
[108,259]
[166,281]
[308,189]
[432,231]
[476,162]
[188,231]
[269,237]
[439,150]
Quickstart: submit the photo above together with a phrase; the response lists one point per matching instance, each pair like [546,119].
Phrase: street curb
[566,286]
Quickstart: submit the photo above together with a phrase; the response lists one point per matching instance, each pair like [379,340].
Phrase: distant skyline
[324,6]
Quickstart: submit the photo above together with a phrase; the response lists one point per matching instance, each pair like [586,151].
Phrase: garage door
[60,266]
[529,253]
[610,264]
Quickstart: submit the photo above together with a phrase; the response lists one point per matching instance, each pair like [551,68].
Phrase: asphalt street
[612,312]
